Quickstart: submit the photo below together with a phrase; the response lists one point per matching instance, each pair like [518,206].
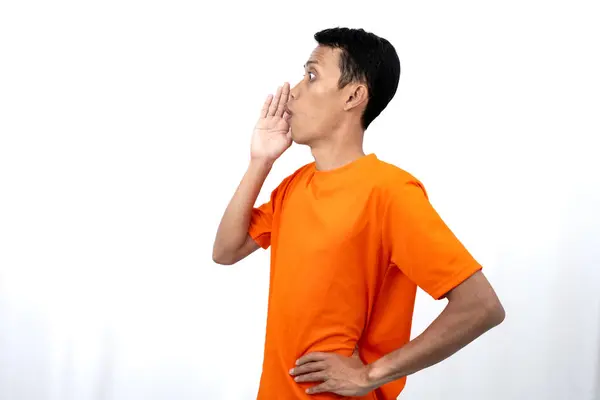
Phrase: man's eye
[309,75]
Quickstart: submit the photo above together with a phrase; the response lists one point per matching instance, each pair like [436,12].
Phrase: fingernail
[292,371]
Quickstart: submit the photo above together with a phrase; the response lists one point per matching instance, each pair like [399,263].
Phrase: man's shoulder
[397,187]
[391,176]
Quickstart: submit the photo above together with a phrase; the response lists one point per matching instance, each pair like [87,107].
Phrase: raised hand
[272,133]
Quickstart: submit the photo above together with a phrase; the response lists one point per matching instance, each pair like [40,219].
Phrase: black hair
[365,57]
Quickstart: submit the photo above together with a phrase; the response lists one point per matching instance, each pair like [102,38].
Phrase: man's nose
[294,91]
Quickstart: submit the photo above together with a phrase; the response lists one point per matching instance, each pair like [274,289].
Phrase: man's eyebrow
[310,62]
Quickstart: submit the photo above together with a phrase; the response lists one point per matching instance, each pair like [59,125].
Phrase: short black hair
[365,57]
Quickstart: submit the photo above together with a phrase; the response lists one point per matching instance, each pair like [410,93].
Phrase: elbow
[221,257]
[221,261]
[494,313]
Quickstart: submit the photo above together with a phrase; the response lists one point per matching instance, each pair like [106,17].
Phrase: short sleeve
[261,219]
[421,244]
[261,222]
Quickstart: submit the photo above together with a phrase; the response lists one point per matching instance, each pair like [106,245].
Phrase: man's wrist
[378,374]
[261,165]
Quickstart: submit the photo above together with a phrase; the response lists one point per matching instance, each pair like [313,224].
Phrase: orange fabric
[349,247]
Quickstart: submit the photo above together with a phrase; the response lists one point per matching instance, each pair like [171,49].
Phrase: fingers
[275,103]
[265,107]
[312,377]
[309,367]
[285,94]
[315,356]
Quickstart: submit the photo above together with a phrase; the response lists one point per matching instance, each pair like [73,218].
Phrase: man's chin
[297,141]
[297,137]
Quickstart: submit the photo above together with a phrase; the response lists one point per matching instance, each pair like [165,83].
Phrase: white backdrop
[125,128]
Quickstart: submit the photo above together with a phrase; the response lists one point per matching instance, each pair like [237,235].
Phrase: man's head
[349,79]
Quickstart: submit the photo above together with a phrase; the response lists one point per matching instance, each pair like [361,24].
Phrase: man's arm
[473,309]
[232,242]
[271,137]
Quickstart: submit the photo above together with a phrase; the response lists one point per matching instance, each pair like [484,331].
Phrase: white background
[125,128]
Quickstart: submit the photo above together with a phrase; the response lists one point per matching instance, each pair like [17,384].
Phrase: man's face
[316,102]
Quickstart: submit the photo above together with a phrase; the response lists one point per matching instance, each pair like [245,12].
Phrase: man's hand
[272,133]
[346,376]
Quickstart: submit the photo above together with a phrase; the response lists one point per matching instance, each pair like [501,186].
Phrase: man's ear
[357,95]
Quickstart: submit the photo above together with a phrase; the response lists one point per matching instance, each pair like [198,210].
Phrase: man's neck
[330,156]
[342,146]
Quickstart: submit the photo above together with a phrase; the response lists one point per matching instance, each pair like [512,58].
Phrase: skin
[325,117]
[318,114]
[271,137]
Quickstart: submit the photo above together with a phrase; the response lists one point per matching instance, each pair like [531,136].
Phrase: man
[351,238]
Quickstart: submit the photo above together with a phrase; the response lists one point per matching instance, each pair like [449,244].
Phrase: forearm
[459,324]
[233,228]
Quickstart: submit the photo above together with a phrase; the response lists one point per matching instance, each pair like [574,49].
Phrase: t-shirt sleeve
[261,222]
[261,219]
[421,244]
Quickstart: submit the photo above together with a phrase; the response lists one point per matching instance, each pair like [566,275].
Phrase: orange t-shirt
[349,247]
